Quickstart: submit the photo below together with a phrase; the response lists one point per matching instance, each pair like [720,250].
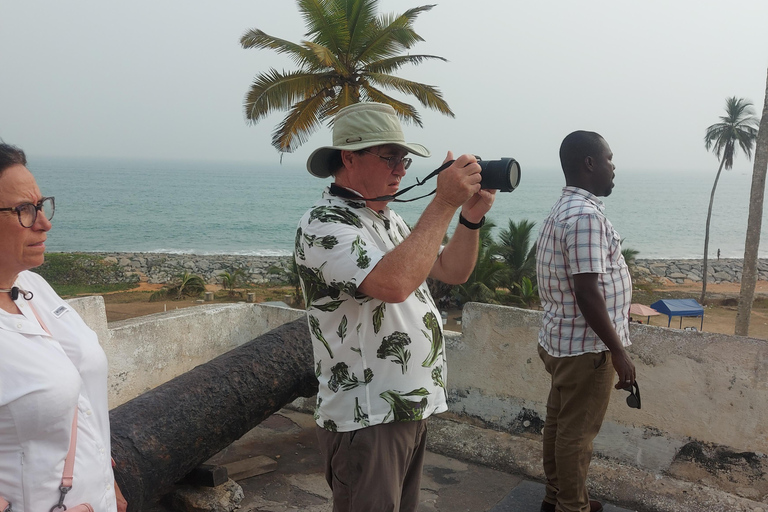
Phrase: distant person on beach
[585,291]
[376,333]
[52,368]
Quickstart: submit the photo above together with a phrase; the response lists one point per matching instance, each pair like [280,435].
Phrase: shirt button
[88,412]
[19,326]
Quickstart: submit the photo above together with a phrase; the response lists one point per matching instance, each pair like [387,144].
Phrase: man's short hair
[576,147]
[10,156]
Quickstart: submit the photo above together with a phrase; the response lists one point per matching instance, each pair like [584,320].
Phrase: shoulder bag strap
[69,463]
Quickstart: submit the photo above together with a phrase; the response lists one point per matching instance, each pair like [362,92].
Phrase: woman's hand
[122,505]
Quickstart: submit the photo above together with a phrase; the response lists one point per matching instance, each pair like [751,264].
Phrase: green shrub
[72,268]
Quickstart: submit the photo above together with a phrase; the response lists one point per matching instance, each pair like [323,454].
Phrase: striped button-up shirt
[577,238]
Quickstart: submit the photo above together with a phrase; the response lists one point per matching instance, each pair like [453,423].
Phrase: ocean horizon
[119,205]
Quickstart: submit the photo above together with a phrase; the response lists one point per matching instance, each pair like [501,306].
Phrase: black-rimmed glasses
[392,161]
[633,400]
[27,212]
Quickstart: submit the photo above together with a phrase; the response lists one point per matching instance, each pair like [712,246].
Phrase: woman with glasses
[52,368]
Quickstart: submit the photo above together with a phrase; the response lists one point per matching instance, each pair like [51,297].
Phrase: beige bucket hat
[361,126]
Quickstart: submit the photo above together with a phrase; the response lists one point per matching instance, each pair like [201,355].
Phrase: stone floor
[298,484]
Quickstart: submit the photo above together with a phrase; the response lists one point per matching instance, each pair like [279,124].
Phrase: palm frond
[325,24]
[427,95]
[273,90]
[302,120]
[390,64]
[403,110]
[258,39]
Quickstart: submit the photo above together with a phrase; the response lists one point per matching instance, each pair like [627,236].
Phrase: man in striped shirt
[585,291]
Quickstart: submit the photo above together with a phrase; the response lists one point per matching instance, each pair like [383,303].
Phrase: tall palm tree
[736,129]
[350,57]
[519,253]
[754,224]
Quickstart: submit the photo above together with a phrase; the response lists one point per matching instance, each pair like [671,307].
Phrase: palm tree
[350,57]
[230,280]
[754,224]
[519,253]
[737,126]
[482,283]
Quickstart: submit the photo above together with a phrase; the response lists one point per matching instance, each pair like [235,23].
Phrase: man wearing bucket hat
[376,332]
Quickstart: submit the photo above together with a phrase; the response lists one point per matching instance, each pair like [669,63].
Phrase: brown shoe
[594,506]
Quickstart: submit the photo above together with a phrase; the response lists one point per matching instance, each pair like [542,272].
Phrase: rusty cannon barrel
[160,436]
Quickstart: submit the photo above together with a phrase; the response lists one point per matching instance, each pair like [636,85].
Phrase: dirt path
[719,317]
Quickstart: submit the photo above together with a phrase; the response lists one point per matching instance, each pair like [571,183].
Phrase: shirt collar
[589,196]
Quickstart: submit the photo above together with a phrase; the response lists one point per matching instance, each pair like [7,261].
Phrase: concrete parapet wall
[703,387]
[704,417]
[147,351]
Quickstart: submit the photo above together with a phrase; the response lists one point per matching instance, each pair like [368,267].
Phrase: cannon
[162,435]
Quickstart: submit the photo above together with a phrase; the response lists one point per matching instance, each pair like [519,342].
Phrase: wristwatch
[471,225]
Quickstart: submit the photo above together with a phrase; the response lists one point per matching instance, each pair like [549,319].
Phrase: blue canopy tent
[679,307]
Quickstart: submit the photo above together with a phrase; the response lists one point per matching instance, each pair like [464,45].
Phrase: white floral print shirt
[376,362]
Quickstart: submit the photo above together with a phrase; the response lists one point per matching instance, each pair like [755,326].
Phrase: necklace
[15,293]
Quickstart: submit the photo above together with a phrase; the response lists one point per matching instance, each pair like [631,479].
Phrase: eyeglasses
[633,400]
[392,161]
[27,212]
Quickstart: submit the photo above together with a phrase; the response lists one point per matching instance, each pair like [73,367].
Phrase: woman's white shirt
[42,378]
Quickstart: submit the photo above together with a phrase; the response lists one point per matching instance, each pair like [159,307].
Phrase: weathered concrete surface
[146,351]
[609,480]
[695,386]
[160,436]
[703,420]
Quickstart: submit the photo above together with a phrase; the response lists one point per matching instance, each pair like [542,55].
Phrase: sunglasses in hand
[633,400]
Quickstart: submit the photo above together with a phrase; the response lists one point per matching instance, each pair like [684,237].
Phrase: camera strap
[347,194]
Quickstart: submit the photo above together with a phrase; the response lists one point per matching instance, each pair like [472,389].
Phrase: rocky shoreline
[163,267]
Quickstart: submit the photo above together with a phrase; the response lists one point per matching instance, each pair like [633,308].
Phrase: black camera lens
[502,175]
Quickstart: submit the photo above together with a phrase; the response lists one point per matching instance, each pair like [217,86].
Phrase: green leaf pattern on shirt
[436,340]
[314,326]
[403,409]
[378,316]
[394,346]
[342,330]
[342,379]
[358,246]
[335,214]
[360,416]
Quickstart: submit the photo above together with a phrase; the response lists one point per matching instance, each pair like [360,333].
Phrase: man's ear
[347,157]
[589,163]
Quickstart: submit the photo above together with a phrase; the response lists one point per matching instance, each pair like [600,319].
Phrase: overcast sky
[166,79]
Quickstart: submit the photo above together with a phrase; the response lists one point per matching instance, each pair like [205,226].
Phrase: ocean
[250,208]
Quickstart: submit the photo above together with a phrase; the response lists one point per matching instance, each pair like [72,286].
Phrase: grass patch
[74,290]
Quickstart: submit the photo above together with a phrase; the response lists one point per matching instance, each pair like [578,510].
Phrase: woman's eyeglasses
[27,212]
[633,400]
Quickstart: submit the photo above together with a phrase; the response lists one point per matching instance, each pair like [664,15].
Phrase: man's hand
[624,367]
[459,182]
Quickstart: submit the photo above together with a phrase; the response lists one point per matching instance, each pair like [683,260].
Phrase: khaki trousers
[375,469]
[578,399]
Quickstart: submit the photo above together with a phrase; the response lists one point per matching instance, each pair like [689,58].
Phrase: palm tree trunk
[706,235]
[754,224]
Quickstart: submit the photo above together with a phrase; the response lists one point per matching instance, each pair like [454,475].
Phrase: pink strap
[69,462]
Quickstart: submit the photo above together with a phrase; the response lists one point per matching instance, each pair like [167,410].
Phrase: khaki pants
[578,399]
[375,469]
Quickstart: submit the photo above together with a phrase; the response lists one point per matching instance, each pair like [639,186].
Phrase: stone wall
[163,267]
[679,271]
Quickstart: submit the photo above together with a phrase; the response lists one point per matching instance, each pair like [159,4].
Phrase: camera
[502,175]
